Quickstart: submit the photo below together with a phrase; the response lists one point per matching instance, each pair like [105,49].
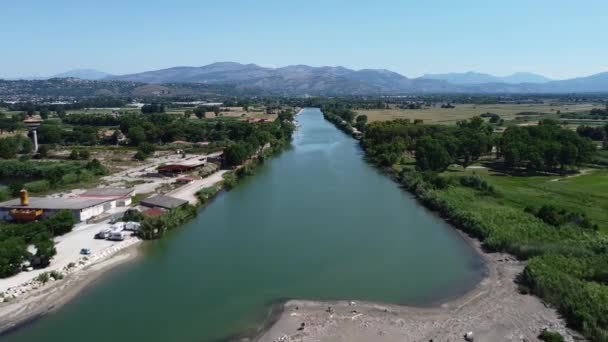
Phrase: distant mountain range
[295,79]
[472,77]
[307,80]
[303,79]
[83,74]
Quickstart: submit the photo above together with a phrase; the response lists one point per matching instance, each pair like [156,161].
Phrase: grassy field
[585,192]
[452,115]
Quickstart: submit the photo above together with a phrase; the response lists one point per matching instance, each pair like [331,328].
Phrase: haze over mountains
[303,79]
[83,74]
[472,77]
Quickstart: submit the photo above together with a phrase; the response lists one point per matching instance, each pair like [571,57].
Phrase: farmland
[438,115]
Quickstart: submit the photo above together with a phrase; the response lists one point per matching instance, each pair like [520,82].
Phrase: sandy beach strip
[494,311]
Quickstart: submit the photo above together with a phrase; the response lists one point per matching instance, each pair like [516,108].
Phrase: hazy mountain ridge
[303,79]
[83,74]
[294,79]
[471,78]
[331,81]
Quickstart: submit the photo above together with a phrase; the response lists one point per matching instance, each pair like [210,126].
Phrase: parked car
[118,227]
[103,234]
[132,226]
[116,236]
[85,251]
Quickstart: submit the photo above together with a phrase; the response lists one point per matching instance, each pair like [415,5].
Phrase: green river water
[316,222]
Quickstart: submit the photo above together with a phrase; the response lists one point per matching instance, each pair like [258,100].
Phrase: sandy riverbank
[493,311]
[53,295]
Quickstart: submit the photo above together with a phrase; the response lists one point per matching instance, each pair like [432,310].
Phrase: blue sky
[557,38]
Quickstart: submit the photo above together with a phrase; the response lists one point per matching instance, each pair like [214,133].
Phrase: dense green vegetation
[156,227]
[14,239]
[44,176]
[544,147]
[11,146]
[10,124]
[557,225]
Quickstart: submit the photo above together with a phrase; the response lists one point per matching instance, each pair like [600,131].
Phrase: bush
[230,180]
[140,156]
[559,217]
[132,215]
[551,336]
[38,186]
[206,194]
[156,227]
[43,277]
[477,183]
[56,275]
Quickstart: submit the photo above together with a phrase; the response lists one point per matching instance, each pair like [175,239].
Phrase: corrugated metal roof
[73,203]
[107,192]
[163,201]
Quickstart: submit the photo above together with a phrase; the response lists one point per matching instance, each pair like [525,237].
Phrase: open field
[585,192]
[464,111]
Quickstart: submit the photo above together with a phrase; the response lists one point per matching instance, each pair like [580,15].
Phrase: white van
[116,236]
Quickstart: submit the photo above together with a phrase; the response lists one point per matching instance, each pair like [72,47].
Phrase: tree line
[545,147]
[567,252]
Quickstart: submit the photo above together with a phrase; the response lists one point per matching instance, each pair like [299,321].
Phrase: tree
[199,112]
[360,122]
[8,148]
[144,151]
[45,250]
[431,155]
[136,135]
[44,113]
[236,154]
[84,154]
[50,134]
[60,223]
[43,151]
[568,155]
[153,108]
[12,254]
[146,148]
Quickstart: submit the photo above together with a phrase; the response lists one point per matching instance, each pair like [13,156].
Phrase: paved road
[188,191]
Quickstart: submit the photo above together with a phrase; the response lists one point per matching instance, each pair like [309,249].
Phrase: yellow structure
[26,215]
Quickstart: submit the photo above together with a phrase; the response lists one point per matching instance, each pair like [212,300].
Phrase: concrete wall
[99,209]
[125,202]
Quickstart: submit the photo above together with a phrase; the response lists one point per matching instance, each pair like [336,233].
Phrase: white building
[84,207]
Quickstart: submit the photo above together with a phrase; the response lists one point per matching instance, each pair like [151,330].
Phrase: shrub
[132,216]
[43,277]
[206,194]
[38,186]
[230,180]
[477,183]
[551,336]
[56,275]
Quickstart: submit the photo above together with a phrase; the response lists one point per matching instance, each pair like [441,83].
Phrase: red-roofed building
[184,180]
[154,212]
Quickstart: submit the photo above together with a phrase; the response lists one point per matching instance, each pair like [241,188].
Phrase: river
[317,222]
